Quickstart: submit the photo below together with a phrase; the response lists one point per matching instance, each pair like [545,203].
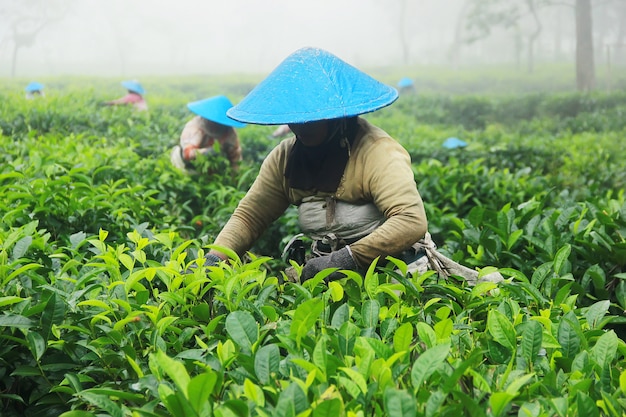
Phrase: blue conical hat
[34,86]
[405,82]
[133,86]
[312,84]
[214,109]
[453,143]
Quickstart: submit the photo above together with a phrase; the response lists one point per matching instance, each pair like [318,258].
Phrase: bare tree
[454,53]
[487,15]
[585,72]
[27,20]
[534,35]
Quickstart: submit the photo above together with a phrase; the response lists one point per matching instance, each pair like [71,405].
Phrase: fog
[161,37]
[134,37]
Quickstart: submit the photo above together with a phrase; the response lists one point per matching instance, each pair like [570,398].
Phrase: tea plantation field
[98,319]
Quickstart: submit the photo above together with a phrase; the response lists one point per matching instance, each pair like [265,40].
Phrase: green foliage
[106,307]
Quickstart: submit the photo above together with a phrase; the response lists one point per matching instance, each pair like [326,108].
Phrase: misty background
[133,38]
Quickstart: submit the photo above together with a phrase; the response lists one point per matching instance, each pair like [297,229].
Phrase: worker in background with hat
[406,85]
[352,182]
[134,97]
[34,89]
[210,128]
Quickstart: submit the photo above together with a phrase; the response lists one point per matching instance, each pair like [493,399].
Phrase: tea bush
[99,317]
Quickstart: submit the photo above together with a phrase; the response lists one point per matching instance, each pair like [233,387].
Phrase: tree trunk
[558,36]
[454,53]
[585,72]
[14,59]
[401,28]
[533,36]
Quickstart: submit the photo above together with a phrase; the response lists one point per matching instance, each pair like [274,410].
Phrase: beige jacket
[378,171]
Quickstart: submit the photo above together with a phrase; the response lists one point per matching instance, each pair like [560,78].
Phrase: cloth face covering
[320,168]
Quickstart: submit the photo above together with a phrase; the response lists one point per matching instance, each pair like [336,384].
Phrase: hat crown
[312,84]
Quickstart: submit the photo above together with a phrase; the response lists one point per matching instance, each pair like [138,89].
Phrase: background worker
[209,127]
[134,96]
[34,89]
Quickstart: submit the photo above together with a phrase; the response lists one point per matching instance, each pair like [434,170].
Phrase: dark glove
[209,260]
[341,259]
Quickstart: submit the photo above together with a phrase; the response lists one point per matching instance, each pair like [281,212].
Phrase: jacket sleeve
[191,138]
[388,181]
[266,200]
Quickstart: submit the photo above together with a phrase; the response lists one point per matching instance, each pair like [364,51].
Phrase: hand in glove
[209,260]
[341,259]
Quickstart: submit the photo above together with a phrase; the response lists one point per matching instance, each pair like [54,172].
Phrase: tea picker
[352,183]
[33,90]
[209,127]
[134,97]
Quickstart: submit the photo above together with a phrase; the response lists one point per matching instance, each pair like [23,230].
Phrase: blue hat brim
[133,86]
[214,109]
[312,84]
[34,86]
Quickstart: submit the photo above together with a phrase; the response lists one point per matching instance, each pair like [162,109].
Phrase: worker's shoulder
[374,137]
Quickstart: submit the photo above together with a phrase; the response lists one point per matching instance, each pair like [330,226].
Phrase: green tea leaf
[356,377]
[5,301]
[77,413]
[305,317]
[369,313]
[501,328]
[427,363]
[266,362]
[21,247]
[329,408]
[561,258]
[174,369]
[403,337]
[568,339]
[605,349]
[532,338]
[340,316]
[399,403]
[243,329]
[254,393]
[586,405]
[36,344]
[426,334]
[53,314]
[16,321]
[103,403]
[200,389]
[514,387]
[596,312]
[499,401]
[20,271]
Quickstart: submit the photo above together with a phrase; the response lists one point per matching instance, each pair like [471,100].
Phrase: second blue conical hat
[34,86]
[134,86]
[214,109]
[312,84]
